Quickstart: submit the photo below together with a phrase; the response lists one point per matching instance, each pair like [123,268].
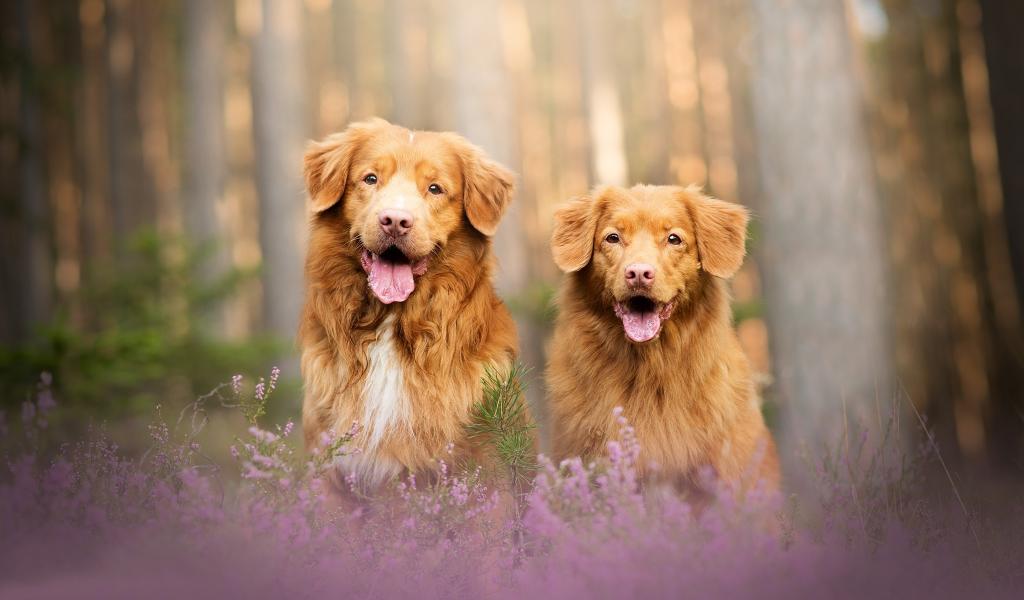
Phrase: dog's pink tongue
[639,326]
[391,282]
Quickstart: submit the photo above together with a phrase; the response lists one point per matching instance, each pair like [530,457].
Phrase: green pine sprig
[503,422]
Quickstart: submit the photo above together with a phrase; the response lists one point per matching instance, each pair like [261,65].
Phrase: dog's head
[402,196]
[643,249]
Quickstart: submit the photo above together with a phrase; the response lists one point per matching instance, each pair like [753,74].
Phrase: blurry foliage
[752,309]
[146,342]
[537,302]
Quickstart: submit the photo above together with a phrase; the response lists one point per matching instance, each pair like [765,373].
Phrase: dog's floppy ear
[325,164]
[572,243]
[721,230]
[488,191]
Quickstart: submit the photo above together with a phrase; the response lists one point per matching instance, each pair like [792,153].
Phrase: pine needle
[503,422]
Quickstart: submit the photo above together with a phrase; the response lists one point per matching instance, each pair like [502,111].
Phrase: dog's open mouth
[642,317]
[391,274]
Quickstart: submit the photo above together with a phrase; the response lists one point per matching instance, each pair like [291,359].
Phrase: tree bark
[604,110]
[205,25]
[485,115]
[407,63]
[37,261]
[824,247]
[1002,23]
[131,195]
[687,162]
[92,151]
[280,132]
[992,80]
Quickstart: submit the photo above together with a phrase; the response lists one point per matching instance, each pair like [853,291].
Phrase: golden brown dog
[645,323]
[400,314]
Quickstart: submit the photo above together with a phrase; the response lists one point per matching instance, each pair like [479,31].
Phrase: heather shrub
[863,486]
[98,524]
[874,496]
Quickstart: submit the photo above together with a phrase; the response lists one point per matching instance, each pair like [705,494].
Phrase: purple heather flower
[44,401]
[274,373]
[595,535]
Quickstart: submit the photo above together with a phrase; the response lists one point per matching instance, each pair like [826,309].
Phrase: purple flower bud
[274,373]
[28,411]
[45,402]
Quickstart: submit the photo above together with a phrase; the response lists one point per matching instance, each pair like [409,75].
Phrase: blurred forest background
[152,213]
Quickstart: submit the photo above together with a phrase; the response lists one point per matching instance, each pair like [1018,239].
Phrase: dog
[644,322]
[400,316]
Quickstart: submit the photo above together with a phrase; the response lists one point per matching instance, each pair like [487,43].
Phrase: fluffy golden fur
[687,390]
[408,371]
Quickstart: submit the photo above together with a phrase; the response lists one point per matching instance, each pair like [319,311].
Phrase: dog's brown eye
[675,240]
[434,189]
[613,238]
[370,179]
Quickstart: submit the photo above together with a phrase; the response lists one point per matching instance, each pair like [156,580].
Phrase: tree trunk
[205,25]
[824,247]
[652,143]
[37,260]
[92,150]
[131,196]
[687,163]
[998,182]
[408,63]
[925,172]
[484,114]
[604,111]
[571,156]
[1002,23]
[280,132]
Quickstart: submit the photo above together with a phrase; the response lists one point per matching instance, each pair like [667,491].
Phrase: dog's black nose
[640,274]
[395,222]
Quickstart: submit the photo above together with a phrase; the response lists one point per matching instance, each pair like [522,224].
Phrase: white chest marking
[410,137]
[385,405]
[370,472]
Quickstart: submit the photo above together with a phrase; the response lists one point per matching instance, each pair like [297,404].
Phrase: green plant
[504,426]
[787,523]
[142,339]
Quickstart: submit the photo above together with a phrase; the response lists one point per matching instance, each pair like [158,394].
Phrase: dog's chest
[386,408]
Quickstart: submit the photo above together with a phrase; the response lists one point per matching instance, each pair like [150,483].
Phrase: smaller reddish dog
[645,323]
